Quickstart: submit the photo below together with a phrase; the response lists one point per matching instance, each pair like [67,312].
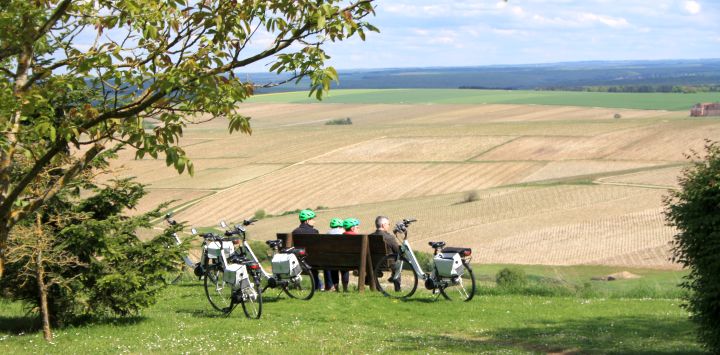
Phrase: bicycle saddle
[436,245]
[274,243]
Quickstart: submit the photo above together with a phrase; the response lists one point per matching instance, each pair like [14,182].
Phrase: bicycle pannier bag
[449,264]
[236,275]
[286,264]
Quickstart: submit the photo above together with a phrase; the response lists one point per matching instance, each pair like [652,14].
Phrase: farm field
[651,101]
[556,185]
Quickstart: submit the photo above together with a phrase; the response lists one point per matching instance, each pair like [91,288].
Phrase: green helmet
[350,222]
[306,214]
[336,222]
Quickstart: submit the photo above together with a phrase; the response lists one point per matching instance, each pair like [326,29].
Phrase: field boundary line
[493,148]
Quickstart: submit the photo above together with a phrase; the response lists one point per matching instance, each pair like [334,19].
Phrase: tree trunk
[3,245]
[42,288]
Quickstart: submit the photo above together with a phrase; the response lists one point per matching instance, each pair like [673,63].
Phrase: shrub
[260,214]
[617,116]
[471,196]
[511,278]
[425,260]
[339,121]
[694,210]
[94,262]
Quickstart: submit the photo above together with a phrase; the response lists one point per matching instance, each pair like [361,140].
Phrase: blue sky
[421,33]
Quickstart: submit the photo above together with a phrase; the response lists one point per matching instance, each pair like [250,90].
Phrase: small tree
[82,257]
[695,211]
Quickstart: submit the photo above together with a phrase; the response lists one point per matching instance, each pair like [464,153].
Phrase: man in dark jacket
[307,222]
[382,224]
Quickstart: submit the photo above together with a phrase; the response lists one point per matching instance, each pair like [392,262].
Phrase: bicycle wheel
[460,288]
[251,297]
[218,292]
[302,286]
[395,277]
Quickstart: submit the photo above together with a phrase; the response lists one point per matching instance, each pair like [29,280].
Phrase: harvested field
[158,196]
[310,185]
[420,160]
[217,178]
[414,149]
[565,169]
[667,177]
[555,225]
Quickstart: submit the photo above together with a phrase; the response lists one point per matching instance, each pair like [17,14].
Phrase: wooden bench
[341,252]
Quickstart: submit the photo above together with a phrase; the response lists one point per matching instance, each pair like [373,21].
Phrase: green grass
[658,101]
[333,323]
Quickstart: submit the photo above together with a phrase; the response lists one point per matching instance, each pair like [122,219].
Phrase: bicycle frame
[408,253]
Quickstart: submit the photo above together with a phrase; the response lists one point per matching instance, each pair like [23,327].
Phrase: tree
[695,211]
[80,257]
[62,105]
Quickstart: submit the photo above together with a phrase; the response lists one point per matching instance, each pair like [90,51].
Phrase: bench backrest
[332,251]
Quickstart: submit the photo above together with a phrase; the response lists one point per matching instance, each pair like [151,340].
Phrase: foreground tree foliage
[695,211]
[80,257]
[64,101]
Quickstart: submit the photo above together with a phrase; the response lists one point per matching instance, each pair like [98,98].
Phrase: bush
[425,260]
[260,214]
[511,278]
[617,116]
[339,121]
[94,263]
[471,196]
[695,211]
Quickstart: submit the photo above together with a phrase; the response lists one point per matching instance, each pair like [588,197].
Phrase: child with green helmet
[332,277]
[352,227]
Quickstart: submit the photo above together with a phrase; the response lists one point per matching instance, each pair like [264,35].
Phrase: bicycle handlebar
[401,227]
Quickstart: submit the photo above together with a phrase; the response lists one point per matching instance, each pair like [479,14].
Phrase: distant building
[705,109]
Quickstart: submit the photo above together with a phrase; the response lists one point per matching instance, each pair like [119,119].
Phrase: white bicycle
[451,276]
[290,272]
[229,278]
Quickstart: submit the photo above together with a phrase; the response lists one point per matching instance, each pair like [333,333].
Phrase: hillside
[558,185]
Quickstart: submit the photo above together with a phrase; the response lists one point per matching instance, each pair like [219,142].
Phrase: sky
[438,33]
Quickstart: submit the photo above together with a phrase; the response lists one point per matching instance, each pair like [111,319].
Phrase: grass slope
[652,101]
[352,323]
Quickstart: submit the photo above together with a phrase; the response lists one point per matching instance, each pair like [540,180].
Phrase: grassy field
[626,316]
[650,101]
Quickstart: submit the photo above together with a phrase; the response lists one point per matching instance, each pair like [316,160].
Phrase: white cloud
[614,22]
[692,7]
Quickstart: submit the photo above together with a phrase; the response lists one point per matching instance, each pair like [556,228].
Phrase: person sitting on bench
[307,222]
[332,277]
[351,226]
[382,224]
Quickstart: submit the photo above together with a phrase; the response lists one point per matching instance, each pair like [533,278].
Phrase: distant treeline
[686,89]
[486,87]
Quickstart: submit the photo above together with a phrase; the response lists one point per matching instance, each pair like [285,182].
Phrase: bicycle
[290,272]
[187,264]
[451,274]
[230,278]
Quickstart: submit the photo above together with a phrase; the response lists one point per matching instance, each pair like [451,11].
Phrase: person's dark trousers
[345,280]
[335,276]
[396,284]
[329,281]
[318,282]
